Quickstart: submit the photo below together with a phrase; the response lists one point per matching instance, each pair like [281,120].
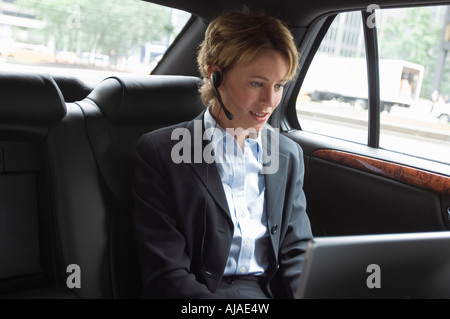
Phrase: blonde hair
[235,37]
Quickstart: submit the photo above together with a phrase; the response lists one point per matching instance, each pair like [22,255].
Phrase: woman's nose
[268,97]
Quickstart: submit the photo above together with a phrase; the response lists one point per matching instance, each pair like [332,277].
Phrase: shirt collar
[211,125]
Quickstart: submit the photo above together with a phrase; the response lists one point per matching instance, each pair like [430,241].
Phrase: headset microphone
[216,80]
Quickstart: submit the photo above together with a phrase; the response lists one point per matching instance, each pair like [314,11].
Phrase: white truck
[345,79]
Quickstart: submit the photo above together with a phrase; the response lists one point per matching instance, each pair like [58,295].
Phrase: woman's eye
[279,86]
[256,84]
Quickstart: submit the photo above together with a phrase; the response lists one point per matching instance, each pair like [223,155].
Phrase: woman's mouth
[260,117]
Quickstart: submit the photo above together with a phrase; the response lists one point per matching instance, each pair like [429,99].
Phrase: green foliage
[415,37]
[112,27]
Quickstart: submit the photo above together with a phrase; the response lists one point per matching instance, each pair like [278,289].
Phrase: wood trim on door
[412,176]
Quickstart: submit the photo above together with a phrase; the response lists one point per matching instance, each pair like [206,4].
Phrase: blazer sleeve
[163,260]
[298,234]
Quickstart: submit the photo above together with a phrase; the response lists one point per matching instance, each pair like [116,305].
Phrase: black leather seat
[31,264]
[65,180]
[117,112]
[53,214]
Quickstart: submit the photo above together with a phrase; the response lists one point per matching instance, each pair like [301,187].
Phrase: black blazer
[183,246]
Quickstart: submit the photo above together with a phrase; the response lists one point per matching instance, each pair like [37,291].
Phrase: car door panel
[350,193]
[352,201]
[416,177]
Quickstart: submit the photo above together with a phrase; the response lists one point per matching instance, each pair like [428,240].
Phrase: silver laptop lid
[412,265]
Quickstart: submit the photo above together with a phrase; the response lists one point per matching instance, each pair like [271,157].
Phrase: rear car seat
[54,222]
[117,112]
[65,181]
[31,264]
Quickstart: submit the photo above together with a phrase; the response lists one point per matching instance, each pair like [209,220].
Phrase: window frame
[307,54]
[291,123]
[373,80]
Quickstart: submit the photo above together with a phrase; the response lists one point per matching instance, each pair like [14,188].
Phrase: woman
[226,228]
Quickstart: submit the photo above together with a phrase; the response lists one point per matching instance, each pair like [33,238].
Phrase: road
[409,131]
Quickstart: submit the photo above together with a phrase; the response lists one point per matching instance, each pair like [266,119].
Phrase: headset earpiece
[216,78]
[216,81]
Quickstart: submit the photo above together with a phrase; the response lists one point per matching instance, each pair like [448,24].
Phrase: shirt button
[243,270]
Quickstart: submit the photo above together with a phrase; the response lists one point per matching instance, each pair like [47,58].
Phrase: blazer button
[274,229]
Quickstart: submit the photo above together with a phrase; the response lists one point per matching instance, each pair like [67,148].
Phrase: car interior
[67,151]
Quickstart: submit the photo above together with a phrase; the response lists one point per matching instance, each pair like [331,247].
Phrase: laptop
[411,265]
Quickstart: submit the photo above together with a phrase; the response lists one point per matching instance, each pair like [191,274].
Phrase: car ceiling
[298,12]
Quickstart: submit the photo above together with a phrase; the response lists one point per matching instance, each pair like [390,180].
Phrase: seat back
[80,210]
[65,181]
[117,113]
[31,265]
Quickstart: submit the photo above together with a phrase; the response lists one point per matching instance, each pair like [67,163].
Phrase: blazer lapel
[207,173]
[275,164]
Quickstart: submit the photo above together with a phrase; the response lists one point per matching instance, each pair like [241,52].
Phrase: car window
[333,97]
[414,81]
[88,39]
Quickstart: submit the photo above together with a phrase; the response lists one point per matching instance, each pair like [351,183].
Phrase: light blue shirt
[244,187]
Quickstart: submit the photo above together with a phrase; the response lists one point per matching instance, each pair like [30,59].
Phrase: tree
[413,36]
[117,28]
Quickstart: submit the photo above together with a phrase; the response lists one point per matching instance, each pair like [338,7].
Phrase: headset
[216,81]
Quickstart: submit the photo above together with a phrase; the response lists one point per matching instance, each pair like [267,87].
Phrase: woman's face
[252,92]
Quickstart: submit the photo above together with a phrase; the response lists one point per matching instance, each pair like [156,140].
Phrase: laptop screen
[412,265]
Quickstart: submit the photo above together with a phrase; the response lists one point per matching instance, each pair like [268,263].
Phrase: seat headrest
[144,99]
[30,97]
